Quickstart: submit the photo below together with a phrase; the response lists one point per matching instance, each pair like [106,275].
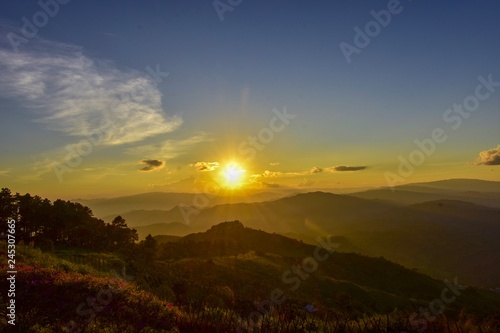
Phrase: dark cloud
[206,166]
[348,168]
[489,157]
[152,165]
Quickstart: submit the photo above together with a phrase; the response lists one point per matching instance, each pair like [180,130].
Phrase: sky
[107,98]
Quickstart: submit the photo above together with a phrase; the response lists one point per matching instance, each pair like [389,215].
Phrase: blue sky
[225,78]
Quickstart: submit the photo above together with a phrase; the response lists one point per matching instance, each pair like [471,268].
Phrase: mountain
[444,228]
[475,185]
[412,195]
[239,256]
[229,276]
[170,229]
[442,238]
[485,193]
[165,201]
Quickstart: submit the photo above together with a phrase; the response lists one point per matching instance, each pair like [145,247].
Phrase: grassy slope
[208,290]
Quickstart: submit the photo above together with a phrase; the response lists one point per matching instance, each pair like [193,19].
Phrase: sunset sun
[233,175]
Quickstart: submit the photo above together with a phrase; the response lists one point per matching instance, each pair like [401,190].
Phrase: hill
[234,256]
[440,237]
[227,278]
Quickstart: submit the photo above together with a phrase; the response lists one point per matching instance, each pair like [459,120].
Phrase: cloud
[274,163]
[271,174]
[347,168]
[266,174]
[316,170]
[152,165]
[489,157]
[206,166]
[77,95]
[5,172]
[167,149]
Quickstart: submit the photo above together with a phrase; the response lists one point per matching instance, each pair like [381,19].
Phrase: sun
[233,175]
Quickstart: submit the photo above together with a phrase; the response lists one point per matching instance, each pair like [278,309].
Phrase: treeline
[62,223]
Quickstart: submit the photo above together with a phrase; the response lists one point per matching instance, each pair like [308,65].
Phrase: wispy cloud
[272,185]
[77,95]
[314,170]
[271,174]
[167,149]
[489,157]
[152,165]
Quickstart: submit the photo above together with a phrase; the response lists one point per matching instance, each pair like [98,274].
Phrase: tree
[120,235]
[7,205]
[149,248]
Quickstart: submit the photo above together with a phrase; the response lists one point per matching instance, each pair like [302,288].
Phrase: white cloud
[489,157]
[77,95]
[167,149]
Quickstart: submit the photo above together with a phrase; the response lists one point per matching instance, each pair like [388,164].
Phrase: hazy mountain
[440,238]
[461,185]
[170,229]
[165,201]
[485,193]
[441,228]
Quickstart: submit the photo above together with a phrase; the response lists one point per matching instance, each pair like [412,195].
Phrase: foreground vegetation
[57,295]
[222,280]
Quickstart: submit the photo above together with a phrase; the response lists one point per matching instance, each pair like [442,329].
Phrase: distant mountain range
[481,192]
[168,200]
[441,228]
